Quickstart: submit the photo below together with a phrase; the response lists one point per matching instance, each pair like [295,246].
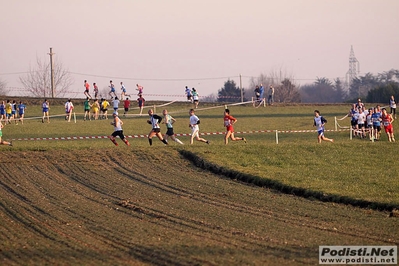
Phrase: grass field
[88,202]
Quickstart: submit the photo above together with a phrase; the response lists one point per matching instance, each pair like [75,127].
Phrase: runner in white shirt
[68,110]
[361,119]
[194,122]
[155,120]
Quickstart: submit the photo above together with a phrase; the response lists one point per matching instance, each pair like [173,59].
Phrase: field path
[152,207]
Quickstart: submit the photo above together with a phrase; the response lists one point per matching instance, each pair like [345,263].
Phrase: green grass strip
[284,188]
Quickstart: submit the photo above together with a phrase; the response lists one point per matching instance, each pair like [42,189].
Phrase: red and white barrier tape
[178,135]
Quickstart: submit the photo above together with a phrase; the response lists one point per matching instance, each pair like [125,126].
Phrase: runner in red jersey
[228,123]
[387,120]
[87,87]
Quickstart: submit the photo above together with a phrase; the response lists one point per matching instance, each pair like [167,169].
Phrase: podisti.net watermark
[358,254]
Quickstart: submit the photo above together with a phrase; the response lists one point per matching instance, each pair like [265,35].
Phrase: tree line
[371,88]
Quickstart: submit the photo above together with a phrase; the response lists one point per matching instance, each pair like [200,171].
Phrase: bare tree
[37,81]
[285,90]
[3,86]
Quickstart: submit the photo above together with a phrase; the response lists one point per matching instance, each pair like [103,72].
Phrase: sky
[166,45]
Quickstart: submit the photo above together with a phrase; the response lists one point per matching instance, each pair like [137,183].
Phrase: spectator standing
[392,105]
[262,92]
[257,93]
[270,98]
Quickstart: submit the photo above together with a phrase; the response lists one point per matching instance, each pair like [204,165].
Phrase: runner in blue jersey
[353,116]
[319,122]
[376,118]
[369,123]
[21,111]
[14,111]
[46,108]
[3,111]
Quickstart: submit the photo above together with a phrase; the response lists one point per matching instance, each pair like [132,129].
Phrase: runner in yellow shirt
[9,111]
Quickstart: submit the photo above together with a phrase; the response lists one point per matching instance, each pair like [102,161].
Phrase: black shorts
[87,110]
[353,123]
[118,133]
[126,109]
[156,130]
[170,132]
[377,127]
[360,125]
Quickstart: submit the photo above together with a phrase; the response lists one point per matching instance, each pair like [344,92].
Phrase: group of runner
[368,122]
[98,109]
[155,121]
[192,96]
[12,112]
[112,92]
[364,122]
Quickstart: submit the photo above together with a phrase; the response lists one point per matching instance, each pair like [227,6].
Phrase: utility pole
[242,93]
[52,73]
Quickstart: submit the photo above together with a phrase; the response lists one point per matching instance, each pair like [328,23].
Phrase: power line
[148,79]
[153,79]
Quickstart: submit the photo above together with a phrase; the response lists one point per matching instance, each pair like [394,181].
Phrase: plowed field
[134,207]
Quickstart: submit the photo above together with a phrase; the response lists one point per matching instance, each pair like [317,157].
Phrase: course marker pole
[350,132]
[372,135]
[335,122]
[74,117]
[276,136]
